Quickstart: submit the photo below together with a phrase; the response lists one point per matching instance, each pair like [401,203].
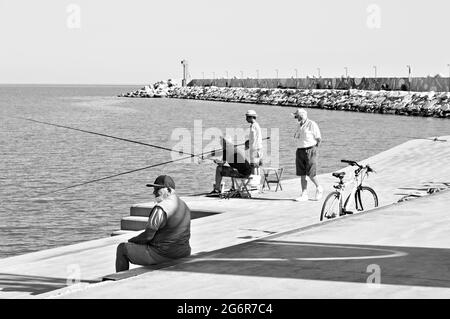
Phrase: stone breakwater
[158,89]
[428,104]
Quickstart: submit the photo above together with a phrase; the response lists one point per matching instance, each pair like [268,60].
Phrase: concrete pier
[273,247]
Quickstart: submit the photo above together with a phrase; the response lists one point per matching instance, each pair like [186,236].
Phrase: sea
[37,159]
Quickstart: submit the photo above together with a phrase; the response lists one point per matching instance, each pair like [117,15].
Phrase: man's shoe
[319,193]
[303,198]
[213,193]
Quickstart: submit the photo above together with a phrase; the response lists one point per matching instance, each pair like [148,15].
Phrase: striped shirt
[306,135]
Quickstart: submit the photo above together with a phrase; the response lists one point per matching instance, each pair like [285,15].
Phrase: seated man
[167,234]
[235,165]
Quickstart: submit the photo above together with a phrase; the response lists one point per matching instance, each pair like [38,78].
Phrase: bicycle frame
[356,181]
[329,207]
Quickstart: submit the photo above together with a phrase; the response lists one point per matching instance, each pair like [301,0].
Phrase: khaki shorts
[306,161]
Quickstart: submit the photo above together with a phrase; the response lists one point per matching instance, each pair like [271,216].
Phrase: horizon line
[73,84]
[217,78]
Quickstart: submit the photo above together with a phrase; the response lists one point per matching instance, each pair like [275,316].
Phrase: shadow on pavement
[416,266]
[33,285]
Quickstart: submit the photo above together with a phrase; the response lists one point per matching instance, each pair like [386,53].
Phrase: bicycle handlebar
[353,163]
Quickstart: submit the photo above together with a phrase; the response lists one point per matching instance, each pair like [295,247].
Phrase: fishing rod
[143,168]
[105,135]
[111,136]
[115,175]
[201,156]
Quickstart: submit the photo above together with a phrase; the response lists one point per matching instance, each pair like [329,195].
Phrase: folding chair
[275,178]
[241,185]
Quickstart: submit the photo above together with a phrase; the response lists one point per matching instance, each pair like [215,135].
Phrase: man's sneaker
[213,193]
[303,198]
[319,193]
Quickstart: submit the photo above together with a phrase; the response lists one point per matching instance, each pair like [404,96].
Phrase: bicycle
[364,197]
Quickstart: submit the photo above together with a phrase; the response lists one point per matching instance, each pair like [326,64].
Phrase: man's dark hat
[163,181]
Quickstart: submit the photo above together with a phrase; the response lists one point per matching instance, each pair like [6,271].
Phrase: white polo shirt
[255,137]
[307,134]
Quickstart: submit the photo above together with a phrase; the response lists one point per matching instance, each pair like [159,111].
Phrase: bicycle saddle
[339,174]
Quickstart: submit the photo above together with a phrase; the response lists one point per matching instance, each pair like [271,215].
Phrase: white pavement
[244,220]
[406,245]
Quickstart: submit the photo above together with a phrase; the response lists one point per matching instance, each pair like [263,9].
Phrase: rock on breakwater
[435,104]
[390,102]
[158,89]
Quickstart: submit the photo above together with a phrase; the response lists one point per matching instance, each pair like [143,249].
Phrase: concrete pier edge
[290,221]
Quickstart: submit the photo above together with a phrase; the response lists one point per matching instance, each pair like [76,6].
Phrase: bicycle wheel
[332,206]
[365,199]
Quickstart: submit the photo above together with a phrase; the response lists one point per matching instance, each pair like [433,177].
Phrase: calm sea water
[36,159]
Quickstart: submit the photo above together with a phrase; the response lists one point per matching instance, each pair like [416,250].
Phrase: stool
[240,185]
[274,179]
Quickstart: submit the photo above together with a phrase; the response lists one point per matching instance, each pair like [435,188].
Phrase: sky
[144,41]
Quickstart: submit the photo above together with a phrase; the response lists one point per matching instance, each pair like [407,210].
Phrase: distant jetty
[427,104]
[156,90]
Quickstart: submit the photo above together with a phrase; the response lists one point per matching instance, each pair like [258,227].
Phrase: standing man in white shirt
[308,138]
[254,141]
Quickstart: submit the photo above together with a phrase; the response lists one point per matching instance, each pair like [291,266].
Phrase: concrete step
[142,210]
[140,270]
[139,218]
[120,232]
[200,213]
[133,223]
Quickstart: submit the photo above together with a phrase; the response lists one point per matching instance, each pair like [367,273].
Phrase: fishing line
[126,140]
[105,135]
[115,175]
[115,137]
[142,168]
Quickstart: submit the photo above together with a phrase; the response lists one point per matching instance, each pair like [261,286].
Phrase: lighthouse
[184,63]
